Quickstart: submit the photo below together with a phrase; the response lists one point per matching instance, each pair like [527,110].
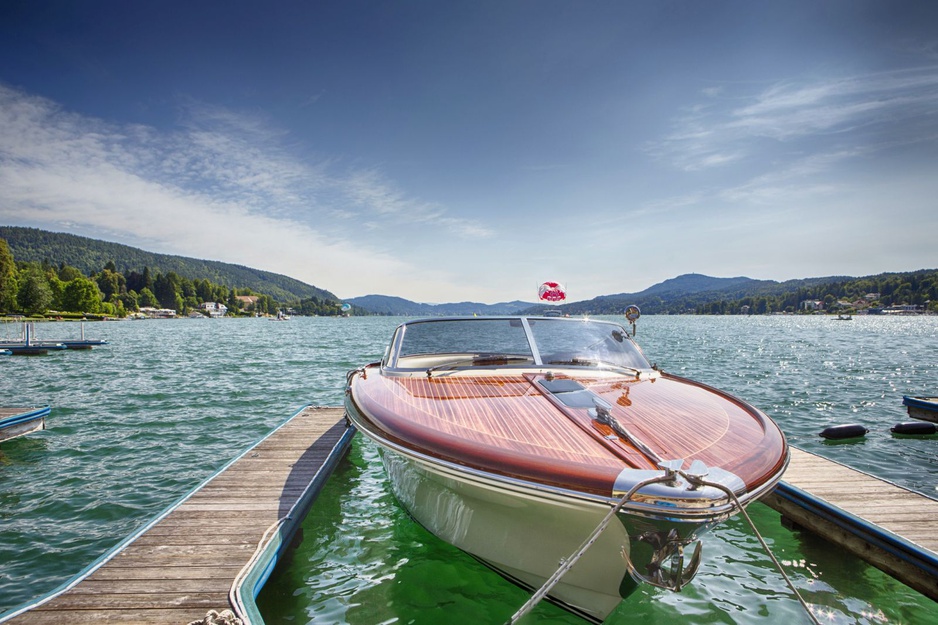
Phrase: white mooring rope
[568,563]
[765,546]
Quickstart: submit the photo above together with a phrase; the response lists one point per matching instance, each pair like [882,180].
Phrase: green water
[362,560]
[136,424]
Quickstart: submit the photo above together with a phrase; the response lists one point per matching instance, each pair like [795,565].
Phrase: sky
[470,150]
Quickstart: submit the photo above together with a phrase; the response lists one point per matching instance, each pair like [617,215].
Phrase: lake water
[137,424]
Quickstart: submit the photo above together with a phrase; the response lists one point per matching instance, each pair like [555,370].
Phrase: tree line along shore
[907,293]
[34,289]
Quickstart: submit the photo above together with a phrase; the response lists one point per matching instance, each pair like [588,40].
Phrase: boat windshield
[510,341]
[585,343]
[464,336]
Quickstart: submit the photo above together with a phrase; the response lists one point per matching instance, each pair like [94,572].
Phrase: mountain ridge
[686,293]
[398,306]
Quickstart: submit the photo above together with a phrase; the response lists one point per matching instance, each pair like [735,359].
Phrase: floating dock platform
[214,549]
[890,527]
[28,345]
[925,408]
[16,422]
[31,349]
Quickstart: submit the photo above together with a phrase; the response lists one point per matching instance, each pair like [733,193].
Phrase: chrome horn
[632,313]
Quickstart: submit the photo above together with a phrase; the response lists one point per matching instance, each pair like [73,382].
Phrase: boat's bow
[516,457]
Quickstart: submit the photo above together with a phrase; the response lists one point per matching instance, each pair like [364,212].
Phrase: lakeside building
[158,313]
[214,309]
[901,309]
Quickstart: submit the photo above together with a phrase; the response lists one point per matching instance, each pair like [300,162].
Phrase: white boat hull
[17,422]
[523,535]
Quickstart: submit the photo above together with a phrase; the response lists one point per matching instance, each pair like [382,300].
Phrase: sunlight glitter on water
[136,424]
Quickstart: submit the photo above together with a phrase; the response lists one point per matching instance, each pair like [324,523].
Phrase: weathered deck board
[890,527]
[185,564]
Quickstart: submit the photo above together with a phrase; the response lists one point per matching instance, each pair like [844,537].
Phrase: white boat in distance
[513,438]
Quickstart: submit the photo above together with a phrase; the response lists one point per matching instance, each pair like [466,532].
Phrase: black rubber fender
[919,428]
[848,430]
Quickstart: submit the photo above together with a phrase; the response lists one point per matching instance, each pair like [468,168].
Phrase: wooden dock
[216,547]
[890,527]
[15,422]
[213,550]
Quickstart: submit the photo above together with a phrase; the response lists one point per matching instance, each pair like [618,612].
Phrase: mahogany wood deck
[890,527]
[510,423]
[185,564]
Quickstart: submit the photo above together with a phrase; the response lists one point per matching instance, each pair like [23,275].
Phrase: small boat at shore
[924,408]
[16,422]
[551,450]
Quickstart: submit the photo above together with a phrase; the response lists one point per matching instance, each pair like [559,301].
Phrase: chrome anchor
[667,568]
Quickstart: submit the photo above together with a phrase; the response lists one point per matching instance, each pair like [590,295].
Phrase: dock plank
[185,564]
[890,527]
[101,587]
[39,616]
[182,573]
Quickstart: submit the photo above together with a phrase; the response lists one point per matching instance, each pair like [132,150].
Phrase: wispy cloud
[890,101]
[851,112]
[378,197]
[221,185]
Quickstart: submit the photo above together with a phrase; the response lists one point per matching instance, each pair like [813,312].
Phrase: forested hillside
[916,289]
[38,287]
[89,256]
[55,270]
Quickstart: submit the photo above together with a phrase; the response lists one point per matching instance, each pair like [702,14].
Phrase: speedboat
[551,450]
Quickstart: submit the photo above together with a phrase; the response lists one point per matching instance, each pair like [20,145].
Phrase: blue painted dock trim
[32,415]
[872,534]
[919,402]
[255,574]
[890,527]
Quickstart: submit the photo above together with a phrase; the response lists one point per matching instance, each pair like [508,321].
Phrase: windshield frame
[621,351]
